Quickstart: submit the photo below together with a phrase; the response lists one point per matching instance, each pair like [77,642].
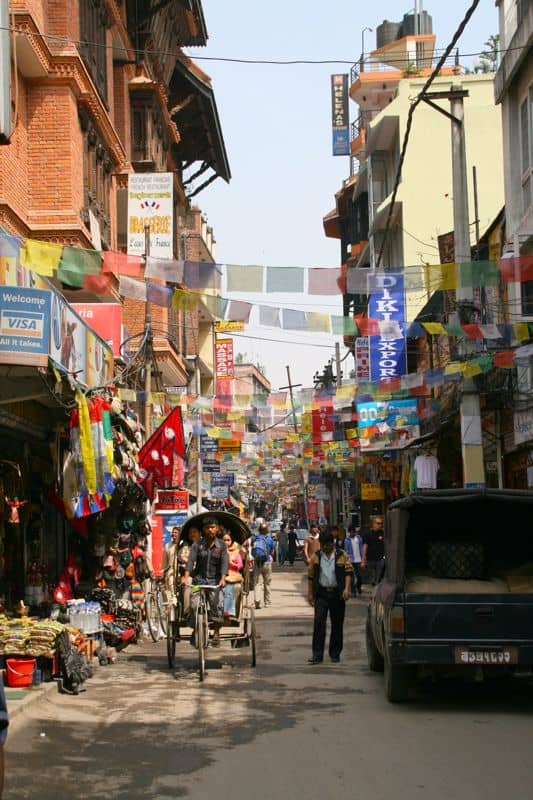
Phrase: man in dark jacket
[208,564]
[329,578]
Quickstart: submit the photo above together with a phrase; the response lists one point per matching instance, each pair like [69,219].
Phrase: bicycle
[201,624]
[175,611]
[155,605]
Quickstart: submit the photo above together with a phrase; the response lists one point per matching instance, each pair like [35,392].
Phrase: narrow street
[286,729]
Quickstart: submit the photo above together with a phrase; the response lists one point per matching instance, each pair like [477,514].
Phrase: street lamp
[362,61]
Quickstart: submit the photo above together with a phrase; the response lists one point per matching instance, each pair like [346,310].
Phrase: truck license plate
[503,655]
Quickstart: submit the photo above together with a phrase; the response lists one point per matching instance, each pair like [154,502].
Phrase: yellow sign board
[228,325]
[233,445]
[372,491]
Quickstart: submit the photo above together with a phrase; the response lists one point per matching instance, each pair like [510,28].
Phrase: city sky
[276,124]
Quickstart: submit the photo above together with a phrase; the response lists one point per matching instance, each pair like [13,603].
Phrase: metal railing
[362,121]
[408,66]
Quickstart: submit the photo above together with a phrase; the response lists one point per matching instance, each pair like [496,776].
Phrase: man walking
[262,549]
[374,550]
[329,578]
[208,564]
[353,544]
[283,542]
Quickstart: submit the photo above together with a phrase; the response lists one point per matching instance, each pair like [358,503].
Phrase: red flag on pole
[156,458]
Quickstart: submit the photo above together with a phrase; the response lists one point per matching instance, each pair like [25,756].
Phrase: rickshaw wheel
[201,637]
[171,643]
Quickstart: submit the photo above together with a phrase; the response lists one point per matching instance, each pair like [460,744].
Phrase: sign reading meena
[387,304]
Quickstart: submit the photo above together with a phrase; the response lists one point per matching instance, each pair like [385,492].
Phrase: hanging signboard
[387,425]
[362,358]
[150,202]
[340,115]
[171,500]
[372,491]
[225,326]
[229,445]
[24,326]
[387,304]
[224,359]
[106,320]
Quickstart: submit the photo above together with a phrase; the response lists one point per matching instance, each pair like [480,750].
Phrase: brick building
[101,89]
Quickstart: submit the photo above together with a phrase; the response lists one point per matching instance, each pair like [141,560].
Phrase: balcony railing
[406,65]
[359,124]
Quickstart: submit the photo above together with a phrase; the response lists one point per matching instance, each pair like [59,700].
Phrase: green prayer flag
[76,263]
[479,273]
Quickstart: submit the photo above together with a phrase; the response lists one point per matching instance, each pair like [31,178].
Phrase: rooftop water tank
[408,26]
[387,32]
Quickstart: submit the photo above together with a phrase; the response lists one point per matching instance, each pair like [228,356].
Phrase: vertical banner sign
[224,359]
[387,305]
[362,358]
[340,115]
[150,202]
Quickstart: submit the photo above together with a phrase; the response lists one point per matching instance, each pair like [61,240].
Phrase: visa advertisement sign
[24,326]
[389,425]
[388,356]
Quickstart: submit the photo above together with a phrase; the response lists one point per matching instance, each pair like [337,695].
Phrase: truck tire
[374,657]
[396,680]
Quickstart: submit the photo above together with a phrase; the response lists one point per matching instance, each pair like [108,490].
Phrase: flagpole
[148,347]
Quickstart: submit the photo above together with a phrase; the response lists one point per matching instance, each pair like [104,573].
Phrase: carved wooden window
[94,22]
[97,167]
[148,139]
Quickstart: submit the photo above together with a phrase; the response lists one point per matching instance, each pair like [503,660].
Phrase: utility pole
[148,348]
[338,363]
[470,414]
[290,387]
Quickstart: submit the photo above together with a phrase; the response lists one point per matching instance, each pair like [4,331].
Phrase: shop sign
[106,320]
[225,326]
[321,492]
[210,465]
[372,491]
[362,358]
[208,444]
[387,425]
[220,492]
[340,115]
[523,427]
[223,479]
[24,326]
[229,445]
[150,202]
[224,359]
[76,348]
[387,304]
[322,420]
[171,500]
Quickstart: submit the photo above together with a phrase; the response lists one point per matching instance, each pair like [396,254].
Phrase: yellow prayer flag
[127,394]
[184,301]
[440,276]
[41,257]
[471,370]
[346,392]
[454,367]
[434,328]
[234,416]
[521,331]
[318,322]
[213,433]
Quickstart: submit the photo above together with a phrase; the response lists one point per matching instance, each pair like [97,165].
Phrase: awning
[193,108]
[331,224]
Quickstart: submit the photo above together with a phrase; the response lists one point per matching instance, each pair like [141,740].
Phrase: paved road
[284,730]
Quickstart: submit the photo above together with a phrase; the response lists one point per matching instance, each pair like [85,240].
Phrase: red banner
[224,359]
[171,500]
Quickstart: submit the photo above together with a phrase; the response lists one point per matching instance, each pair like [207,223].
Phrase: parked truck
[456,597]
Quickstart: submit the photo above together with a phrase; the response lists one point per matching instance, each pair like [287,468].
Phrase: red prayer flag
[367,326]
[122,264]
[517,269]
[156,457]
[505,358]
[472,331]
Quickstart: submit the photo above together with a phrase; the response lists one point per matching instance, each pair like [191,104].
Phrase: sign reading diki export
[387,304]
[150,202]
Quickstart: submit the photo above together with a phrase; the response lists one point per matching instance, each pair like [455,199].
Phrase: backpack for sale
[260,549]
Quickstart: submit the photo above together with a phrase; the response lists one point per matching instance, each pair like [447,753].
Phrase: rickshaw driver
[208,564]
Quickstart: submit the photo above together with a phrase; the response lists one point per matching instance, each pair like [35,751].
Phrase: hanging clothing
[426,467]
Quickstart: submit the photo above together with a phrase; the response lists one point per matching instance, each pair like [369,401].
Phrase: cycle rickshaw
[239,631]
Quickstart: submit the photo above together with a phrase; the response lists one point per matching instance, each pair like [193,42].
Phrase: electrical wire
[65,40]
[412,108]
